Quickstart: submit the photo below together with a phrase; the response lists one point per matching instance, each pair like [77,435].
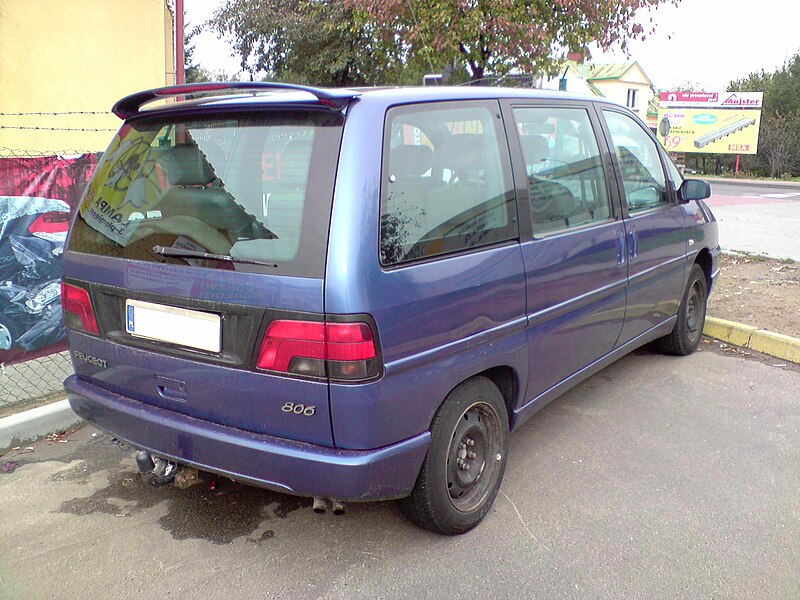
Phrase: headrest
[185,165]
[410,161]
[534,148]
[464,153]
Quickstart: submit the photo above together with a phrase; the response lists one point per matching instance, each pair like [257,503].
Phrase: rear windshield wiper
[183,253]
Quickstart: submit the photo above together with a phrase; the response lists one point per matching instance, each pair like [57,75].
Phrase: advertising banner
[720,131]
[37,196]
[711,99]
[112,208]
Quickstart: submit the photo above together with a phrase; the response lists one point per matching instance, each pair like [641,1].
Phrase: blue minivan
[355,295]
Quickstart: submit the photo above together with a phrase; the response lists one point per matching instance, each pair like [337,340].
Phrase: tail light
[77,306]
[344,351]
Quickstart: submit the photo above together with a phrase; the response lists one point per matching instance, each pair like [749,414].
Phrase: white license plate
[181,326]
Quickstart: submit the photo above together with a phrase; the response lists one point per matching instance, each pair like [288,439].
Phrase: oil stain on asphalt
[218,512]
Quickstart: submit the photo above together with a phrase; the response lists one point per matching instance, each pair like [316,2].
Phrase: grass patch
[753,256]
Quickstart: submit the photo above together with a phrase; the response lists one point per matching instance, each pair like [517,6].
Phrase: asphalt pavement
[758,217]
[659,477]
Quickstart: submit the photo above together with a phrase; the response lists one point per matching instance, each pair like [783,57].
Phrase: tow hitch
[156,471]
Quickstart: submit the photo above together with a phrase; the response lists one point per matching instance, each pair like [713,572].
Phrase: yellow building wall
[76,56]
[616,90]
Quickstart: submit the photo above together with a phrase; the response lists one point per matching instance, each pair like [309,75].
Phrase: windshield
[255,187]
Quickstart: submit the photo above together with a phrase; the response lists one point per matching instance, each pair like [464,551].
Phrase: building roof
[610,71]
[595,90]
[604,72]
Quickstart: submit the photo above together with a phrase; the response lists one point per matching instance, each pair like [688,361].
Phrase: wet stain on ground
[95,454]
[219,515]
[263,538]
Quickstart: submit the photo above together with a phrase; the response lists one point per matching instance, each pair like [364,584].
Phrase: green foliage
[779,138]
[498,36]
[315,42]
[395,42]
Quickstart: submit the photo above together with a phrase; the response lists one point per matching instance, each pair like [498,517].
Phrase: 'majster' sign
[711,99]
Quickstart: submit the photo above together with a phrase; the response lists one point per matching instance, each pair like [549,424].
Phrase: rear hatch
[199,231]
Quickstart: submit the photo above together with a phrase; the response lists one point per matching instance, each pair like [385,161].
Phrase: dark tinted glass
[565,173]
[254,186]
[446,181]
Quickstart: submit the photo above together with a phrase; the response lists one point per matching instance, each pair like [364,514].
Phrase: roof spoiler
[334,99]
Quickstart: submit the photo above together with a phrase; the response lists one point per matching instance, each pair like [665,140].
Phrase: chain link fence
[34,380]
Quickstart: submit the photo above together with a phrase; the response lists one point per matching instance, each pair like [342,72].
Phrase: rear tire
[464,466]
[688,330]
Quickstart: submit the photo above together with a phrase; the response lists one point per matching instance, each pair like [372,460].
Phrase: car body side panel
[655,243]
[702,233]
[439,321]
[369,415]
[656,268]
[576,302]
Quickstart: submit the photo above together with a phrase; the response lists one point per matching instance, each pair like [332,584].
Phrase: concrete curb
[35,423]
[775,344]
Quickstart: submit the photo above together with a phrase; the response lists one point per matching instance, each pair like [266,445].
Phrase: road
[758,219]
[659,477]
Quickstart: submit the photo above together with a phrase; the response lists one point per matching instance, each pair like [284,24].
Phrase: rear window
[256,187]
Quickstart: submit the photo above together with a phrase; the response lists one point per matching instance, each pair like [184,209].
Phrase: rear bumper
[262,460]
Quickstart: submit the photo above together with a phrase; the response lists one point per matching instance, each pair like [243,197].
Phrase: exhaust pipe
[338,507]
[320,506]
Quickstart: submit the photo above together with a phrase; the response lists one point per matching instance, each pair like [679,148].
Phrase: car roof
[392,95]
[384,96]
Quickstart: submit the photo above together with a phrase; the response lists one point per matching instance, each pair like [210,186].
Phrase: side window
[446,183]
[637,153]
[565,173]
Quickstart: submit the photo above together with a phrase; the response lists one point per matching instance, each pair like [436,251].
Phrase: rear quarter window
[446,182]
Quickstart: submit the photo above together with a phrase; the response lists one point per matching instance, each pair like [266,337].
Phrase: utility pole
[180,75]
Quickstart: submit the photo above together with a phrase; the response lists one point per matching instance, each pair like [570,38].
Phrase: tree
[497,36]
[779,137]
[317,42]
[192,72]
[778,144]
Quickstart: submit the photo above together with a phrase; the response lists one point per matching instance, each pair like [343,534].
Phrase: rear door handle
[633,243]
[620,235]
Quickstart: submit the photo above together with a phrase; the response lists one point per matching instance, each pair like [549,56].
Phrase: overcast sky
[709,42]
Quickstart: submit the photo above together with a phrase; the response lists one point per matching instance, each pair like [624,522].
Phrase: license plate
[181,326]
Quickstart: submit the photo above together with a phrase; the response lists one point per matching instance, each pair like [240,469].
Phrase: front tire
[688,330]
[464,466]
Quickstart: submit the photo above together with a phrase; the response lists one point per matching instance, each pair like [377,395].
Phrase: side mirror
[694,189]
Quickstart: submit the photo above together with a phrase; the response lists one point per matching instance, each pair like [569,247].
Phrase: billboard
[37,195]
[721,131]
[711,99]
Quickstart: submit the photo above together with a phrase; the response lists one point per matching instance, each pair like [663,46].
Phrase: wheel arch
[506,380]
[703,259]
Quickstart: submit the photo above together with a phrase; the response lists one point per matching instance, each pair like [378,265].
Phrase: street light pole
[180,76]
